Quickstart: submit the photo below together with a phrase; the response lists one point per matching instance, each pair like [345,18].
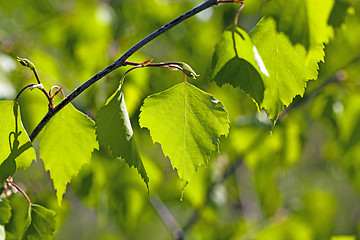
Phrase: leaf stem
[11,183]
[121,62]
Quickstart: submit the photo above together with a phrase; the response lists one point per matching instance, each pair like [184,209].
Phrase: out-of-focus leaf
[43,223]
[305,21]
[5,211]
[338,13]
[114,130]
[66,145]
[2,232]
[343,237]
[188,123]
[16,150]
[234,63]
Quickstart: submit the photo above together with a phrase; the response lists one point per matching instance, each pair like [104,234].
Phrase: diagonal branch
[120,62]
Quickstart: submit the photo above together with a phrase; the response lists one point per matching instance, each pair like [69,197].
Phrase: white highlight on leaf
[260,62]
[214,101]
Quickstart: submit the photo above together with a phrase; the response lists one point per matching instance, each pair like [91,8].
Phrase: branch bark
[119,63]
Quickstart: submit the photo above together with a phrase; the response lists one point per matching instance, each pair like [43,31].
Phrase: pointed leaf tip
[66,145]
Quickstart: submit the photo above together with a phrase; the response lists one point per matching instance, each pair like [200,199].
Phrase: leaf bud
[25,62]
[188,70]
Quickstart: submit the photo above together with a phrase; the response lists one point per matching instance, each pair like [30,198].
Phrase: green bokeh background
[297,181]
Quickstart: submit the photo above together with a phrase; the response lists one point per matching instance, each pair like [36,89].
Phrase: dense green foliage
[274,116]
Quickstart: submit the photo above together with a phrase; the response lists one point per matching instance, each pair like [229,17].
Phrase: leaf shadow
[8,166]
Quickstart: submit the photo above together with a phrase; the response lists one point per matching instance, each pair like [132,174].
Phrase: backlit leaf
[188,123]
[66,145]
[114,130]
[305,21]
[289,67]
[16,150]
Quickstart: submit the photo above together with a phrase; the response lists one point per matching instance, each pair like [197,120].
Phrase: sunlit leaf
[305,21]
[66,145]
[114,130]
[289,67]
[43,223]
[16,150]
[234,63]
[188,123]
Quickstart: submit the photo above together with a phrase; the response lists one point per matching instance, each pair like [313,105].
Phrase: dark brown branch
[118,63]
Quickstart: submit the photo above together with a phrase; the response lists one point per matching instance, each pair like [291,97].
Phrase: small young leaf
[66,145]
[114,130]
[188,123]
[234,62]
[42,225]
[188,70]
[16,150]
[26,63]
[5,211]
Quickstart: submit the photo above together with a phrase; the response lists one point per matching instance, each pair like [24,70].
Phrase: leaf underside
[114,130]
[42,223]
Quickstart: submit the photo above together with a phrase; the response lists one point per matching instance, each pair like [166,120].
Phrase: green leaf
[114,130]
[43,223]
[188,123]
[304,21]
[338,13]
[5,211]
[16,150]
[234,63]
[66,145]
[289,67]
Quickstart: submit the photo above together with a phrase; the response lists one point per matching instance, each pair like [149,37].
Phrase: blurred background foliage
[298,181]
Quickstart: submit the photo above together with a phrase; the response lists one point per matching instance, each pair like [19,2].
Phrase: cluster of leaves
[272,64]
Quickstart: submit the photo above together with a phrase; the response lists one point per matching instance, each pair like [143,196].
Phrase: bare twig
[119,63]
[167,218]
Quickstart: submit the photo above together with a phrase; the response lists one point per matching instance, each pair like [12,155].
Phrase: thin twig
[167,217]
[119,63]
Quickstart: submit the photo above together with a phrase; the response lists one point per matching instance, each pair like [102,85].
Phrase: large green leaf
[15,146]
[289,67]
[42,225]
[234,63]
[304,21]
[114,130]
[188,123]
[66,145]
